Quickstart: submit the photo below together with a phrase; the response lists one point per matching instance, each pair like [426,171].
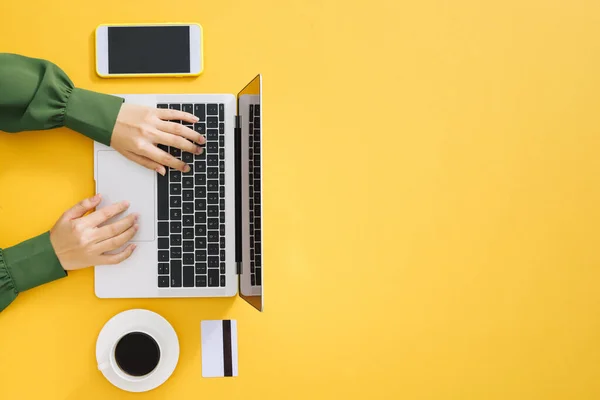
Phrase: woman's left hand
[140,129]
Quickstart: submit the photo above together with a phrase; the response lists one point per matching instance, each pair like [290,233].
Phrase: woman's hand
[139,129]
[79,242]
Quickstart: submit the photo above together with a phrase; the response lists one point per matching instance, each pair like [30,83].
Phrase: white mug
[109,361]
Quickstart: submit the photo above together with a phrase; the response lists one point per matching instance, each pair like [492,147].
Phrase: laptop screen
[251,190]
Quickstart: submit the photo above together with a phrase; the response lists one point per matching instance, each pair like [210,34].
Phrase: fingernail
[160,170]
[133,247]
[125,203]
[136,227]
[198,150]
[96,197]
[186,168]
[196,118]
[137,216]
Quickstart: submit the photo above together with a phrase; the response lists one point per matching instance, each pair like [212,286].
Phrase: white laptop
[200,232]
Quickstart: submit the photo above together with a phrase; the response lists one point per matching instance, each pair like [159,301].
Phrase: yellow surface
[432,188]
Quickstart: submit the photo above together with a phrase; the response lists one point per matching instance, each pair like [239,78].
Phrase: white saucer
[156,326]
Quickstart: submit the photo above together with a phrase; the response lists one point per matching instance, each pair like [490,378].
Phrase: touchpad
[121,179]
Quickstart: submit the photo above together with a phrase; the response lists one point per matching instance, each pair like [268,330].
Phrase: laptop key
[212,173]
[175,188]
[221,191]
[213,278]
[187,182]
[174,176]
[187,157]
[200,255]
[212,198]
[222,280]
[163,268]
[175,152]
[213,250]
[212,122]
[188,220]
[163,196]
[163,281]
[164,106]
[200,111]
[188,195]
[221,128]
[200,166]
[252,280]
[163,243]
[222,229]
[200,242]
[188,233]
[221,112]
[222,242]
[188,276]
[221,179]
[188,259]
[175,201]
[258,274]
[163,256]
[175,273]
[201,281]
[222,217]
[200,204]
[188,246]
[213,237]
[222,268]
[188,208]
[212,135]
[222,255]
[200,127]
[201,230]
[200,217]
[200,191]
[212,109]
[200,179]
[175,252]
[213,211]
[175,227]
[163,229]
[212,160]
[212,147]
[212,185]
[213,262]
[201,268]
[175,213]
[175,240]
[213,223]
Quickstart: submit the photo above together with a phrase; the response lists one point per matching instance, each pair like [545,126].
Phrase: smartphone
[138,50]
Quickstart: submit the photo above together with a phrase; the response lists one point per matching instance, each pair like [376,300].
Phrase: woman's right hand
[79,241]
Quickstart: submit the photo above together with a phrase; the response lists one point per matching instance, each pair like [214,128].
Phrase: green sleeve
[27,265]
[37,95]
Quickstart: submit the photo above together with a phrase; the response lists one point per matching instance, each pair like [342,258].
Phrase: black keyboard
[191,207]
[255,206]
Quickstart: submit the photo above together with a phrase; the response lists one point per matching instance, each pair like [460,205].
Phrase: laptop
[200,232]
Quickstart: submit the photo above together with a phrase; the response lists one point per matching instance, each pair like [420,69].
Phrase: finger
[167,114]
[146,162]
[180,130]
[106,213]
[116,228]
[119,257]
[178,141]
[164,158]
[118,241]
[79,209]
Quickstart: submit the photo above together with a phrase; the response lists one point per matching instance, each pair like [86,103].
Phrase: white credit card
[219,348]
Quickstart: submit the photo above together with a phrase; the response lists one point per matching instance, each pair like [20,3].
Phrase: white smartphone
[149,50]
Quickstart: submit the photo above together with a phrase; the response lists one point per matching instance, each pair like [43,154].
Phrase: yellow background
[431,210]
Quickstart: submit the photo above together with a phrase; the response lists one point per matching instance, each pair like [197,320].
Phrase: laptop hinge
[238,191]
[238,268]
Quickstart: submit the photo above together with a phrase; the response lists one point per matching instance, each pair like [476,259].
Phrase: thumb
[79,209]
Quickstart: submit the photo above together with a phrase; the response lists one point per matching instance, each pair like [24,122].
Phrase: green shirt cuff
[93,114]
[33,263]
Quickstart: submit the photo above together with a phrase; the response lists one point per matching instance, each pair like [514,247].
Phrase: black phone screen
[148,49]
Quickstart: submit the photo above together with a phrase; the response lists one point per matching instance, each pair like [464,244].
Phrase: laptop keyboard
[191,207]
[255,206]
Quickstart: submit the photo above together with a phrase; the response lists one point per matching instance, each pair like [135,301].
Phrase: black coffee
[137,354]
